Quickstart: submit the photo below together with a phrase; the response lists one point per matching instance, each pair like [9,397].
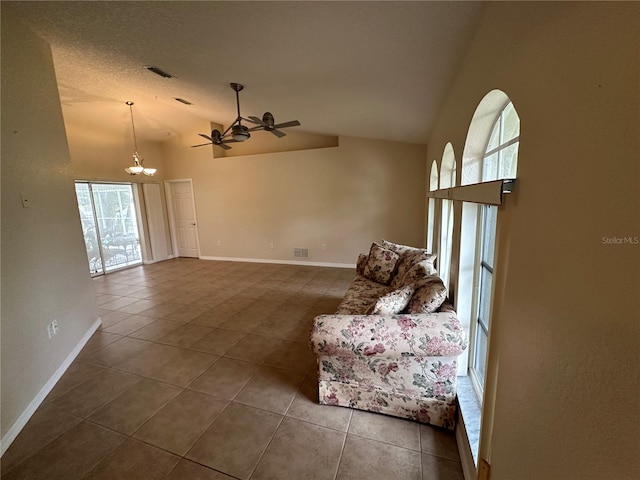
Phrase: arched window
[499,161]
[431,211]
[490,153]
[447,180]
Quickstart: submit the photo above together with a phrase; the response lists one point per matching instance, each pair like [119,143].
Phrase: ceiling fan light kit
[240,133]
[137,168]
[237,132]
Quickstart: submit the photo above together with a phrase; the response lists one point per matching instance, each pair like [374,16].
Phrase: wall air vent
[157,71]
[182,100]
[300,253]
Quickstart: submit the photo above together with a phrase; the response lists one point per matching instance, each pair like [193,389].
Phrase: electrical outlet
[271,245]
[219,242]
[324,246]
[52,328]
[25,200]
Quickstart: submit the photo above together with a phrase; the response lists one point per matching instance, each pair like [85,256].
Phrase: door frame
[172,218]
[138,217]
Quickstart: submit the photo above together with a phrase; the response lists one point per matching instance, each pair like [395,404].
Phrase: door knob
[193,224]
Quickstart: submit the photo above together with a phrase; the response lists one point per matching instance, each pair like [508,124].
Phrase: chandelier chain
[133,127]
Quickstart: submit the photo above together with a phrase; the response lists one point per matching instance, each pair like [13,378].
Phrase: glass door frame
[135,212]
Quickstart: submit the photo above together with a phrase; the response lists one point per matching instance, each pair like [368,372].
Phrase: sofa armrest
[414,335]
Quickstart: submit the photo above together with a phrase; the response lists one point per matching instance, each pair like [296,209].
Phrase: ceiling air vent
[182,100]
[300,253]
[157,71]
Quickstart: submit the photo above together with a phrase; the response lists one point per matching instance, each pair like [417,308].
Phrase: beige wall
[265,142]
[565,326]
[344,197]
[101,156]
[45,275]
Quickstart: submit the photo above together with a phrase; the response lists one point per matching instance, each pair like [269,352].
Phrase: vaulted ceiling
[367,69]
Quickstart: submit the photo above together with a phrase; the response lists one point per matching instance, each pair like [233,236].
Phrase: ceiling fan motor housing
[269,120]
[240,133]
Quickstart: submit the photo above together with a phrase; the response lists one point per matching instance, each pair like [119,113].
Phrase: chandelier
[137,168]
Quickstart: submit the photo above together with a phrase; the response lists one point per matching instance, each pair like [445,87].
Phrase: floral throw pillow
[362,262]
[417,272]
[409,256]
[393,302]
[381,264]
[409,260]
[396,247]
[429,295]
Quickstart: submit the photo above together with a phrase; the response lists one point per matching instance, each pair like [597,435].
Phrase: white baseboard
[22,420]
[281,262]
[149,262]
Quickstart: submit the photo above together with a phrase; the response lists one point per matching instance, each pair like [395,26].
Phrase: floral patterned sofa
[392,345]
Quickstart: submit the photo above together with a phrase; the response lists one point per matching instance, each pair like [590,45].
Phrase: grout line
[383,441]
[48,443]
[344,444]
[267,447]
[168,280]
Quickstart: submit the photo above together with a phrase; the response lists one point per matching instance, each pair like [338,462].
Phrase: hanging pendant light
[137,168]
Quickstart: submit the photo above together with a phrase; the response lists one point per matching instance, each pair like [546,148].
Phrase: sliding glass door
[109,225]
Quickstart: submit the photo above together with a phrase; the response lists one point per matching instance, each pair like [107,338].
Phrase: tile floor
[201,371]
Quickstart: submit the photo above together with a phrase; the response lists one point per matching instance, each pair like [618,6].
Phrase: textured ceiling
[367,69]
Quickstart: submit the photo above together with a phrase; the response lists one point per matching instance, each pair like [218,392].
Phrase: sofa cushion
[429,295]
[381,264]
[393,302]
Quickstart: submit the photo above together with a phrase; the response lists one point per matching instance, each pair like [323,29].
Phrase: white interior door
[183,212]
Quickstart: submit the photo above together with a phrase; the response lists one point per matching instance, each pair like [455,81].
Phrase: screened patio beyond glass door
[109,225]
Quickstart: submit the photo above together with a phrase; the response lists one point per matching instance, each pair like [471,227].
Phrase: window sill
[471,413]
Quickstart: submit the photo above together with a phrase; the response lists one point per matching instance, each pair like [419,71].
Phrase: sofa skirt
[439,413]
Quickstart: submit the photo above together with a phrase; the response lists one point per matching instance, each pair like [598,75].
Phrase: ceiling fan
[237,132]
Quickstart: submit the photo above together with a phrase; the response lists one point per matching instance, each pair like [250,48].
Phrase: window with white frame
[431,208]
[499,161]
[447,180]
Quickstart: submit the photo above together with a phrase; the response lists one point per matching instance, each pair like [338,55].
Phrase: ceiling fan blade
[258,121]
[201,145]
[277,133]
[293,123]
[241,131]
